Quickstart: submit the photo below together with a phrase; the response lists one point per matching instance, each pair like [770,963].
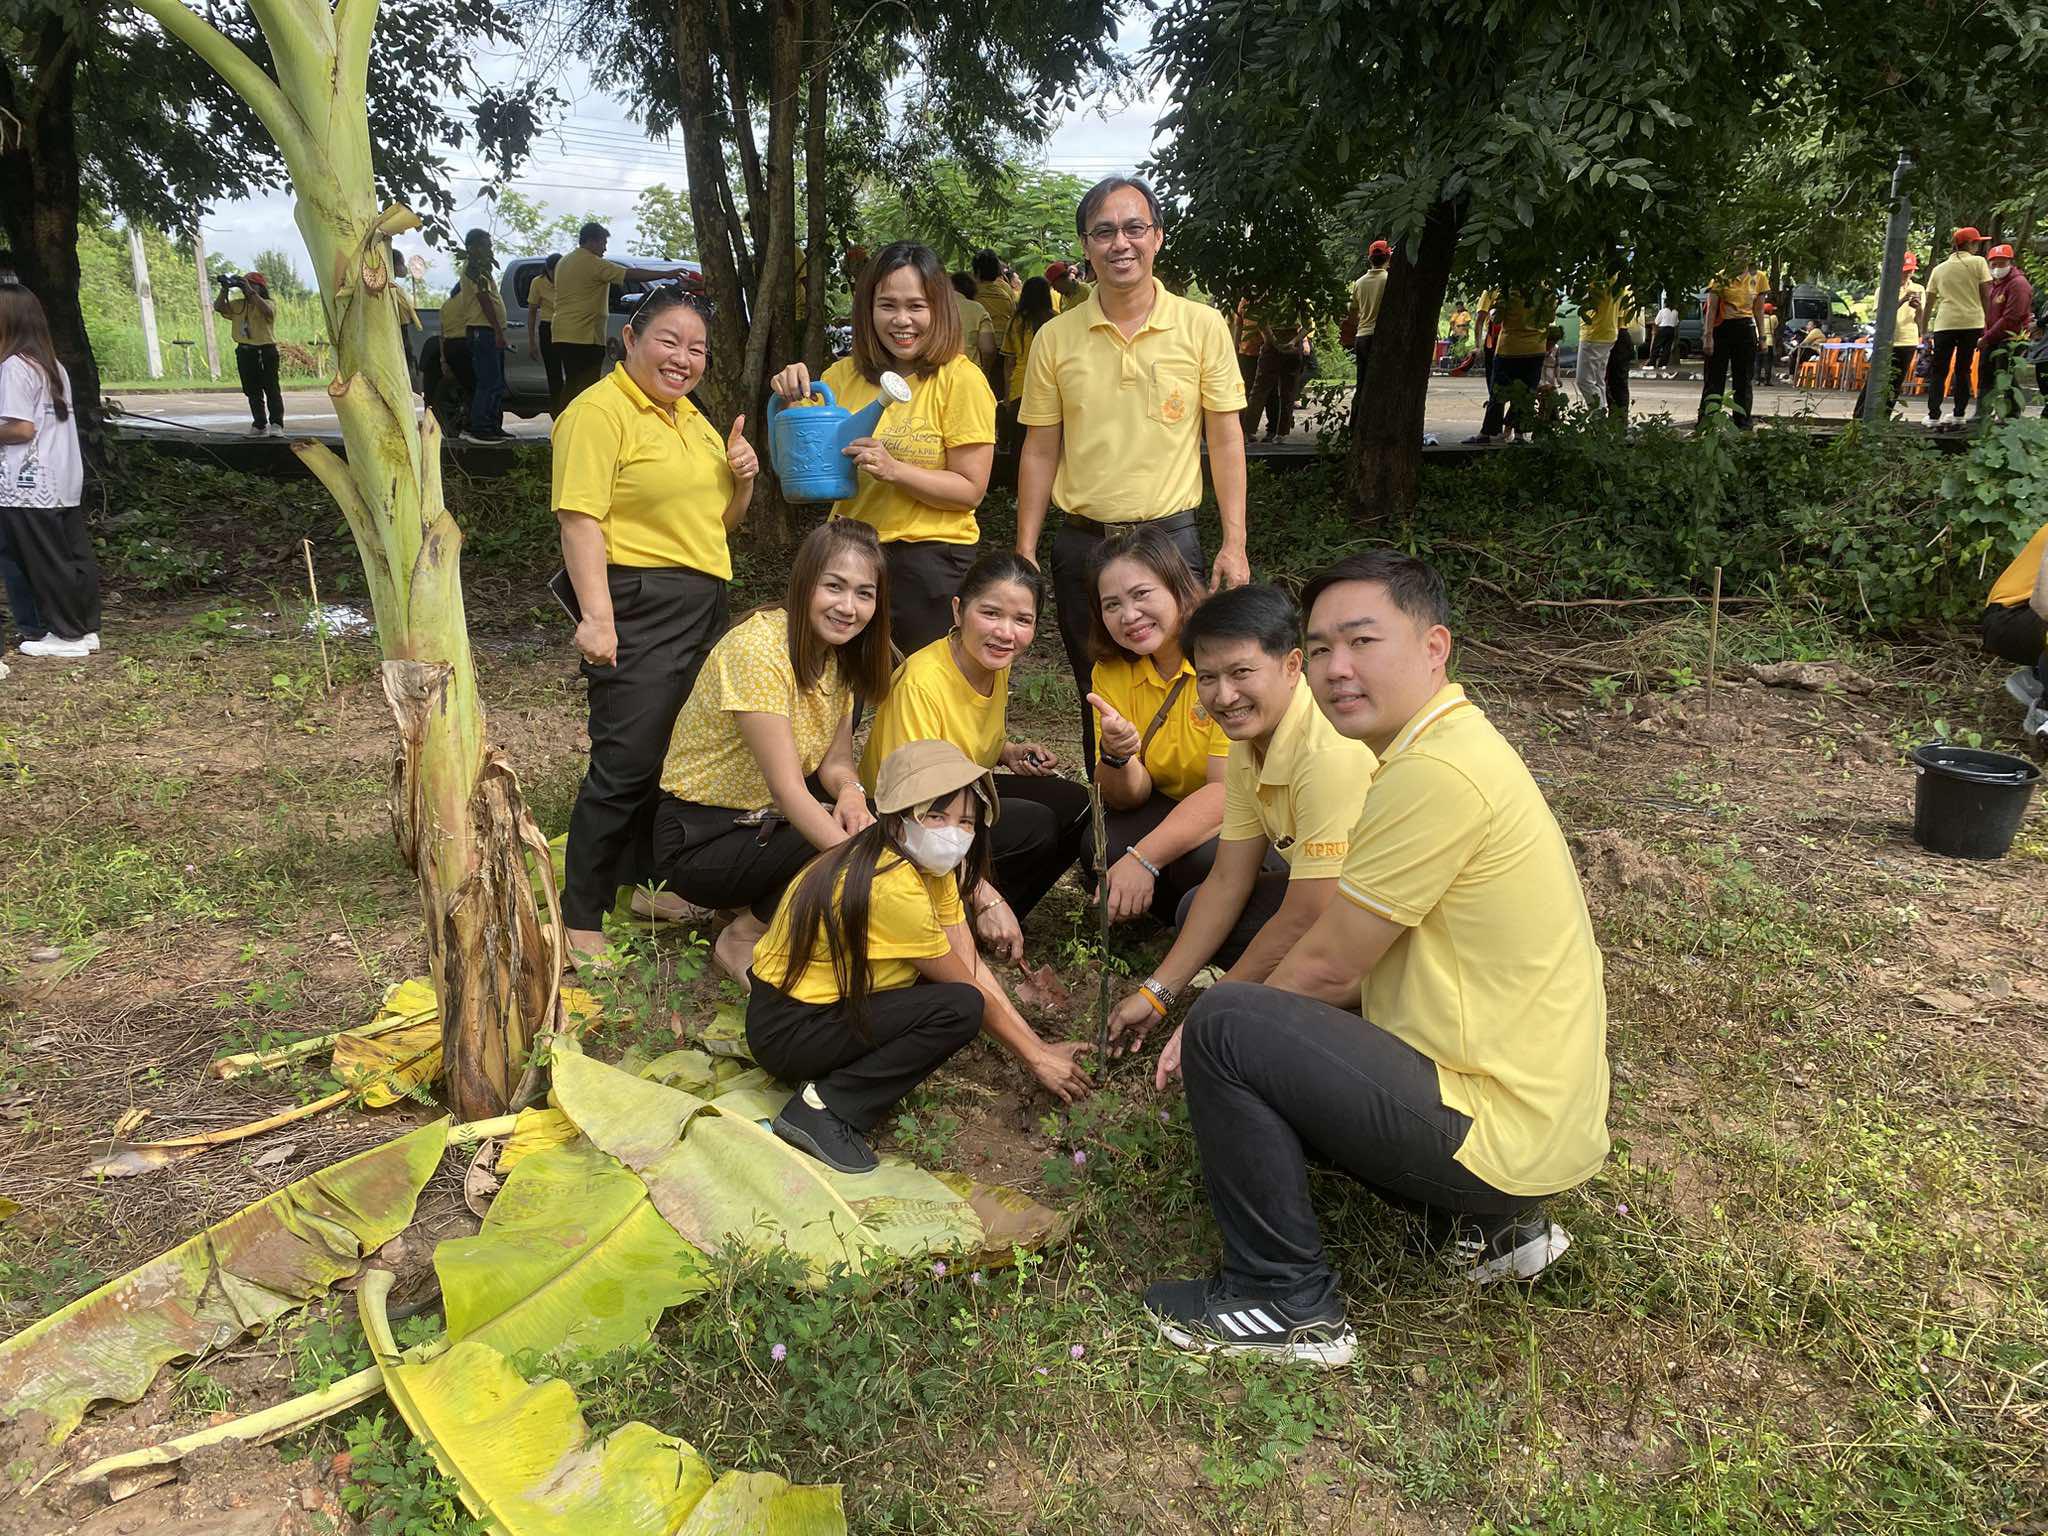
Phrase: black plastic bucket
[1968,803]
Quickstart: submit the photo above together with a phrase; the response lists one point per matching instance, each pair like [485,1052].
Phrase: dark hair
[988,266]
[476,265]
[1414,585]
[1158,553]
[963,284]
[864,661]
[997,568]
[1262,614]
[1093,199]
[1034,304]
[592,231]
[818,900]
[941,340]
[25,333]
[553,262]
[663,297]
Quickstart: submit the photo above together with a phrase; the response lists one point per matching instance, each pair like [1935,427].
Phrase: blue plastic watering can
[807,444]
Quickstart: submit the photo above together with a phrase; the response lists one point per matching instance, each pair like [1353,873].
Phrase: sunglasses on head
[667,295]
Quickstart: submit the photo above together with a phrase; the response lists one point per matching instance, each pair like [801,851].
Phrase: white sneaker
[91,642]
[50,645]
[255,431]
[2025,687]
[277,429]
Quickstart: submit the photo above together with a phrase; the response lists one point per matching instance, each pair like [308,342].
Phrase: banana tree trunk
[456,809]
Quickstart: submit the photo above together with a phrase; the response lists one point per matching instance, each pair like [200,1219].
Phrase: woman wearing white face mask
[868,979]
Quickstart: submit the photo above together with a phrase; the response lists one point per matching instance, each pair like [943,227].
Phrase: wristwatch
[1110,759]
[1161,992]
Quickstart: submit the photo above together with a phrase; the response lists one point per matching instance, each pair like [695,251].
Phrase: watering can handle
[777,405]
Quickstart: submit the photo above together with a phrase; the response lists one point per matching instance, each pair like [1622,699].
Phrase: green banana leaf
[719,1176]
[235,1277]
[572,1255]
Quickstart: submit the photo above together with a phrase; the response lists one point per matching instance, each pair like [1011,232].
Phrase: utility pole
[1877,394]
[211,340]
[147,299]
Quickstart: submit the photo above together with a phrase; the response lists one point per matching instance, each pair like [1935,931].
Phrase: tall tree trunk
[704,164]
[39,197]
[1386,450]
[773,311]
[455,805]
[742,126]
[817,268]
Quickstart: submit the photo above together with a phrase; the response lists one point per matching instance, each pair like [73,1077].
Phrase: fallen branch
[1629,602]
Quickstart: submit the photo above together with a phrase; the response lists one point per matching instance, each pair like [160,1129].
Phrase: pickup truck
[526,381]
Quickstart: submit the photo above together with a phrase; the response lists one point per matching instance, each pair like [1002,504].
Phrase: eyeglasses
[1133,230]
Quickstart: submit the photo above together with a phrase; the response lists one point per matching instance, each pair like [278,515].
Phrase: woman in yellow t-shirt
[926,468]
[1035,307]
[540,331]
[645,490]
[1161,765]
[760,772]
[957,689]
[868,980]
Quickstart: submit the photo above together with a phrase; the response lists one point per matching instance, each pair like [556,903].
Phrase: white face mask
[2000,271]
[936,850]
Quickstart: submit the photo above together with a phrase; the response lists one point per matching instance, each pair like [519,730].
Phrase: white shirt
[45,471]
[1667,316]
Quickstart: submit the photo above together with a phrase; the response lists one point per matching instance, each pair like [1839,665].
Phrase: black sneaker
[806,1124]
[1191,1315]
[1488,1249]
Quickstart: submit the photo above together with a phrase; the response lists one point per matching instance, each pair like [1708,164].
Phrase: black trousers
[1619,361]
[1951,349]
[717,857]
[1274,1079]
[21,596]
[924,575]
[1902,359]
[1765,356]
[1042,831]
[1361,349]
[910,1033]
[1120,829]
[2017,633]
[667,621]
[1075,599]
[257,369]
[56,555]
[1664,347]
[1268,891]
[551,360]
[1276,382]
[582,366]
[458,386]
[1502,412]
[1732,367]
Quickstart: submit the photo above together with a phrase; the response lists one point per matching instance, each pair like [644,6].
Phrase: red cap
[1057,272]
[1967,235]
[1770,309]
[257,278]
[1379,248]
[2000,253]
[1912,262]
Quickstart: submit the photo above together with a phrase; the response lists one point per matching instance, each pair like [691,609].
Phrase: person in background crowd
[1486,331]
[1766,343]
[1958,294]
[646,492]
[1066,286]
[583,303]
[540,331]
[1728,331]
[488,341]
[1621,361]
[458,311]
[1034,308]
[1000,300]
[2008,315]
[1248,336]
[1461,329]
[1905,334]
[51,578]
[978,337]
[2015,627]
[923,473]
[252,320]
[1809,347]
[1276,383]
[1120,398]
[868,980]
[1664,349]
[1362,318]
[1599,324]
[1516,371]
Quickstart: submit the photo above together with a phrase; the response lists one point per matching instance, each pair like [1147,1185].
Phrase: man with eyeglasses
[1121,392]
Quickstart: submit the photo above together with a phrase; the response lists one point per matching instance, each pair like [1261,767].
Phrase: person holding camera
[252,317]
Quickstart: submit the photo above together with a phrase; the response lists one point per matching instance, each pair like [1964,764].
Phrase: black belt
[1173,522]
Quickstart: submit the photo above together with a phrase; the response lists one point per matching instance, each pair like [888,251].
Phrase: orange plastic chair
[1809,373]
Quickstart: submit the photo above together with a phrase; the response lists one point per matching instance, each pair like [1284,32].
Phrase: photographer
[252,316]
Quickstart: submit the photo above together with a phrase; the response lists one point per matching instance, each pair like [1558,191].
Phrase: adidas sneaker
[1192,1315]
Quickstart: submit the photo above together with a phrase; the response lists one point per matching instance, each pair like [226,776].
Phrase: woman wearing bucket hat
[868,980]
[1958,293]
[1905,331]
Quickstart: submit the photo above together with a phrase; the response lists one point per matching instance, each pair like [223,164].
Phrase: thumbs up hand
[739,453]
[1119,737]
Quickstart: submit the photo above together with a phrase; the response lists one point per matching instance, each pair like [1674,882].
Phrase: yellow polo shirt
[951,407]
[657,483]
[750,672]
[1178,758]
[1497,978]
[583,297]
[1738,294]
[249,325]
[908,912]
[1304,796]
[475,290]
[2016,584]
[1952,290]
[999,300]
[1602,319]
[974,323]
[1366,295]
[930,699]
[1017,353]
[1905,320]
[1131,409]
[458,313]
[1524,326]
[540,298]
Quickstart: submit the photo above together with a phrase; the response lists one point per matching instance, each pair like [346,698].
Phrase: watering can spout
[807,446]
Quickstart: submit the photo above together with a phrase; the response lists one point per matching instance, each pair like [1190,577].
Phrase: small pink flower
[1038,1370]
[977,1278]
[1164,1117]
[779,1353]
[1078,1351]
[939,1270]
[1621,1209]
[1080,1158]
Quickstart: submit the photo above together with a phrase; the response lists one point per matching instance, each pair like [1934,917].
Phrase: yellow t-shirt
[583,297]
[1178,758]
[930,699]
[249,325]
[950,408]
[908,912]
[1497,978]
[1304,796]
[1602,318]
[474,291]
[1524,326]
[2016,584]
[997,297]
[1130,409]
[974,323]
[1017,353]
[1739,294]
[1366,294]
[1905,322]
[658,484]
[1958,304]
[458,313]
[749,672]
[540,298]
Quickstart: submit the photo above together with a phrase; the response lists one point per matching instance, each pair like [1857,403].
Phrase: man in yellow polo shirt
[1292,789]
[253,319]
[1958,294]
[1517,362]
[583,306]
[1122,391]
[1475,1084]
[1728,332]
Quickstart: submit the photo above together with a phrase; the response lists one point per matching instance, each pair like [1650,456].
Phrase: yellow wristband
[1153,998]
